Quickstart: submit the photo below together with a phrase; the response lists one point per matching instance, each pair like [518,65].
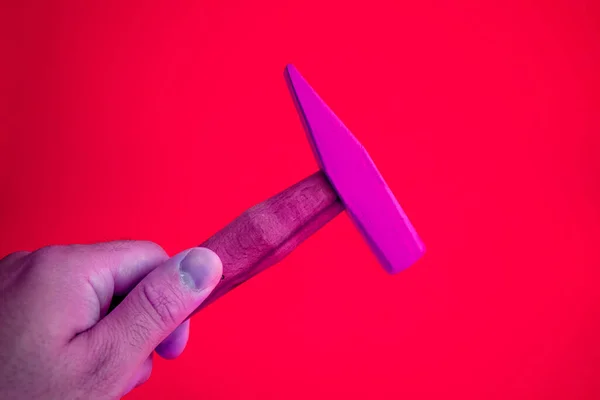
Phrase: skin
[83,321]
[58,341]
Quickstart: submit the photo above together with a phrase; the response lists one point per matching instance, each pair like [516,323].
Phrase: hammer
[264,234]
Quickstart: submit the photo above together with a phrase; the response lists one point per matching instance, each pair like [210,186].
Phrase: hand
[58,339]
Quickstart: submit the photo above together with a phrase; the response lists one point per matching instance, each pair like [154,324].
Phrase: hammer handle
[269,231]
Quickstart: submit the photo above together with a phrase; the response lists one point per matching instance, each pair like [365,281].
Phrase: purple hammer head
[351,172]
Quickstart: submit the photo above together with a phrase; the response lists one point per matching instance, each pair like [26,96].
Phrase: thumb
[157,306]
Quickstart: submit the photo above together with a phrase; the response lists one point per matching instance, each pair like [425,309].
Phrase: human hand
[58,339]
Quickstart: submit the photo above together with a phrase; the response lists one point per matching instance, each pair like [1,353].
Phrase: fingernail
[200,269]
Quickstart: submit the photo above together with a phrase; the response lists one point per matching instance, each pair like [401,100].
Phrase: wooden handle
[267,232]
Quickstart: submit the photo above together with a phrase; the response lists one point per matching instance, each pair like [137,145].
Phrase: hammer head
[353,175]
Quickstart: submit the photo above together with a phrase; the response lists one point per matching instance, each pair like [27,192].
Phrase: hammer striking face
[267,232]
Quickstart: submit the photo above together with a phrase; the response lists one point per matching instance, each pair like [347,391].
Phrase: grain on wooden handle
[267,232]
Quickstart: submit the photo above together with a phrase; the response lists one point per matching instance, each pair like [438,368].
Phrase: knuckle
[11,266]
[49,252]
[163,303]
[114,246]
[48,260]
[154,248]
[14,256]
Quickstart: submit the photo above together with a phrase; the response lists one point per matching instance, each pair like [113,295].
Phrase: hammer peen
[264,234]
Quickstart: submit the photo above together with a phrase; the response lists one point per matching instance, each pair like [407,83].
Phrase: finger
[175,343]
[108,268]
[157,306]
[127,262]
[141,376]
[122,265]
[85,277]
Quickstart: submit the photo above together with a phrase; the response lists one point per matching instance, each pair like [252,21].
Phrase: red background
[164,121]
